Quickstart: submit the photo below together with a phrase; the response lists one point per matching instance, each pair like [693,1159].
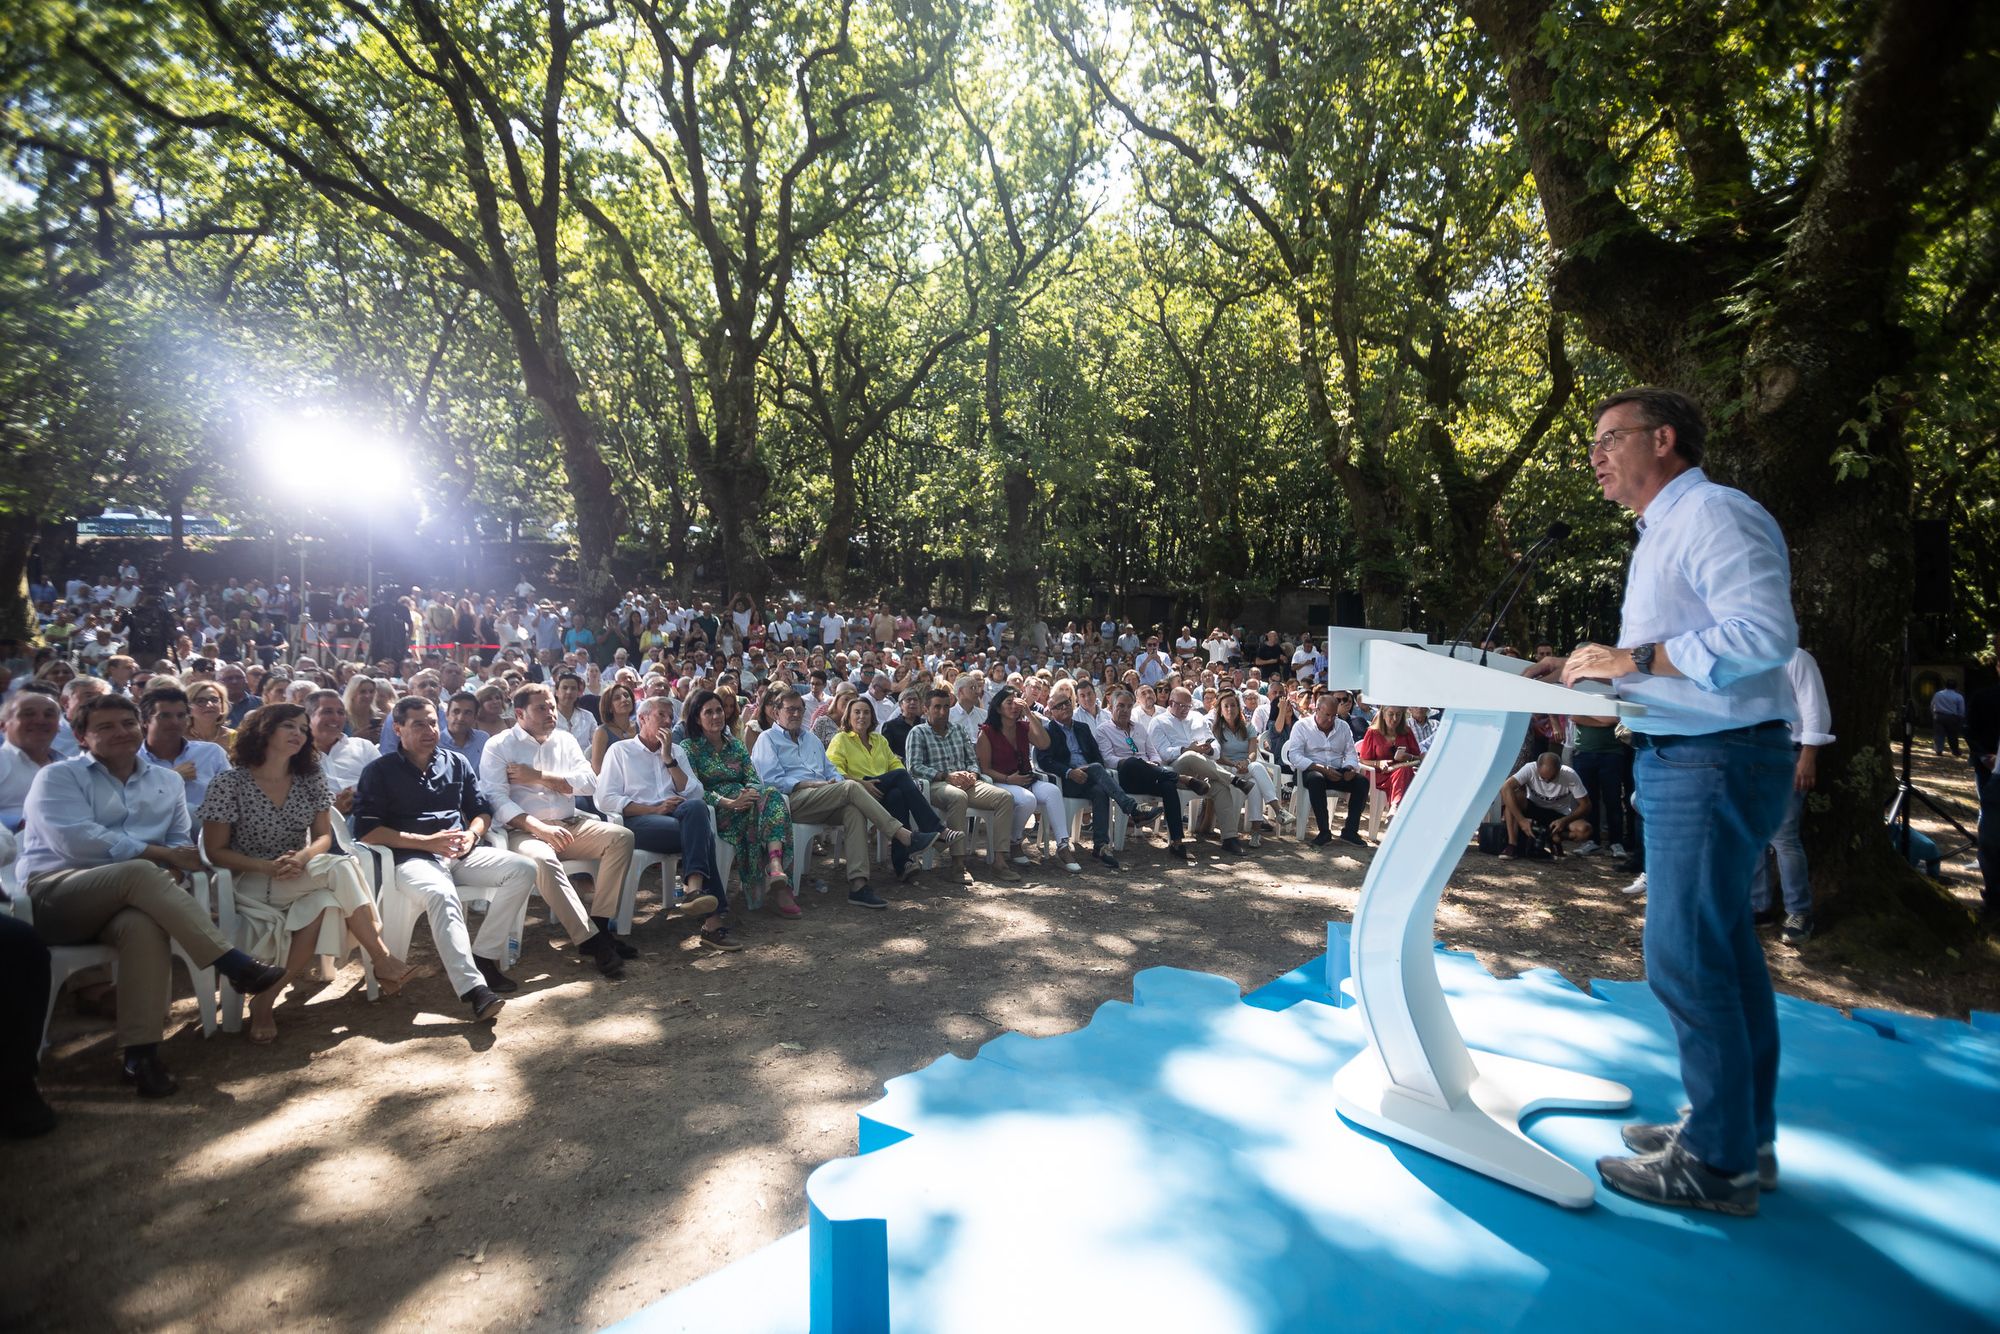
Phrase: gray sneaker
[1641,1138]
[1676,1178]
[1798,928]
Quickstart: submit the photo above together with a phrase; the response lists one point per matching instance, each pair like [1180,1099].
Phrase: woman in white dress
[266,820]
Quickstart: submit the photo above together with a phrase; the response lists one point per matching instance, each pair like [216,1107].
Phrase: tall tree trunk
[1020,570]
[17,538]
[739,480]
[827,566]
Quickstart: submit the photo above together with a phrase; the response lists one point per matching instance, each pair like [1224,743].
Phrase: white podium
[1417,1082]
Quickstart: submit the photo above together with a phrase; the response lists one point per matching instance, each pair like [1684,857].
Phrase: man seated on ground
[1546,792]
[106,837]
[1126,742]
[531,775]
[648,782]
[1321,752]
[164,712]
[1072,755]
[29,720]
[423,804]
[341,757]
[941,758]
[793,760]
[1183,741]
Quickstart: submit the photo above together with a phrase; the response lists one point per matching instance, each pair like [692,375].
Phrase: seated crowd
[463,755]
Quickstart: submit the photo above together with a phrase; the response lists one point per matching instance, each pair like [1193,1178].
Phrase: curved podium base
[1483,1130]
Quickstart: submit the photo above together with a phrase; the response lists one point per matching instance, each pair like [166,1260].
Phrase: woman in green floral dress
[751,815]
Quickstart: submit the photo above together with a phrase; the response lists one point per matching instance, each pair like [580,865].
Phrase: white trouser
[1043,794]
[507,879]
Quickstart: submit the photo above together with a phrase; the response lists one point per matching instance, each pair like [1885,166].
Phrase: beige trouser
[1226,798]
[956,805]
[855,808]
[134,907]
[609,845]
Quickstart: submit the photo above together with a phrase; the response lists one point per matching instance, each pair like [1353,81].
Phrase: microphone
[1533,556]
[1557,531]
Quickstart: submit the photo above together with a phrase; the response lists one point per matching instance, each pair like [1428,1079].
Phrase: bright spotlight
[296,451]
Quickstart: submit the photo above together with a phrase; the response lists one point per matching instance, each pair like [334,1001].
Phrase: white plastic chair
[628,900]
[231,1004]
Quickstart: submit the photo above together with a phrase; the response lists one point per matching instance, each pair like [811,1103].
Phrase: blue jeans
[1103,792]
[1711,805]
[690,832]
[1794,880]
[1989,833]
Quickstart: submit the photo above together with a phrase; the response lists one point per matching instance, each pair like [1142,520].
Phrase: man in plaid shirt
[940,757]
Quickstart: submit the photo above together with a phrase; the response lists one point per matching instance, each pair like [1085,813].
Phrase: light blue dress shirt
[784,761]
[79,816]
[208,759]
[1712,582]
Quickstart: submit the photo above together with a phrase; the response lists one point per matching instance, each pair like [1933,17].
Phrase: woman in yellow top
[860,752]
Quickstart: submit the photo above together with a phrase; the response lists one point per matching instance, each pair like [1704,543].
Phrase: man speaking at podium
[1707,630]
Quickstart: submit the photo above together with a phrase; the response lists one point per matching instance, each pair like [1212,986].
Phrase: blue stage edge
[1178,1165]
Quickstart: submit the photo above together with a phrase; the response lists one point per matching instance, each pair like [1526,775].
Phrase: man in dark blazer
[1073,760]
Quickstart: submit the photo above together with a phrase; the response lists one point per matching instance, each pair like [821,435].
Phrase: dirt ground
[389,1165]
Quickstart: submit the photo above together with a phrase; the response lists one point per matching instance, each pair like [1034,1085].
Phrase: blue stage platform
[1178,1165]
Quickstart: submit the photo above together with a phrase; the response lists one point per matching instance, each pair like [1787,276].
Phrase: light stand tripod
[1907,792]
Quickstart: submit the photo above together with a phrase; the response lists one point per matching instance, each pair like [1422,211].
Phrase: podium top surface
[1404,669]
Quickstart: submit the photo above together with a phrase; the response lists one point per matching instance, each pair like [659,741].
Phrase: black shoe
[1234,847]
[1798,928]
[497,980]
[1630,866]
[863,897]
[23,1114]
[1676,1178]
[256,980]
[1145,815]
[1321,839]
[603,948]
[1242,784]
[1106,856]
[697,905]
[1198,786]
[1643,1138]
[1178,851]
[1355,839]
[485,1005]
[625,951]
[144,1070]
[1769,916]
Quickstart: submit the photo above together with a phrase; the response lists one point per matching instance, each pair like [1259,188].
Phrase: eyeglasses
[1610,438]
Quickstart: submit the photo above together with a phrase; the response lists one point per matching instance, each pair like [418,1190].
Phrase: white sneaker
[1618,851]
[1637,889]
[1585,848]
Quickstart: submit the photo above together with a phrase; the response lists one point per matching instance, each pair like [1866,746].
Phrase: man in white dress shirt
[341,757]
[1322,753]
[648,783]
[29,720]
[1184,743]
[1126,744]
[532,773]
[1705,634]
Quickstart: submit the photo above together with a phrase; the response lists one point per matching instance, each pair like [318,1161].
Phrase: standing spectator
[1813,729]
[1600,761]
[1947,717]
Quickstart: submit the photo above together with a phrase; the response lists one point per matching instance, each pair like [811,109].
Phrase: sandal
[265,1032]
[389,984]
[789,911]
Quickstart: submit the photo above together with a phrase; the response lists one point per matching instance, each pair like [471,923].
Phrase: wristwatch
[1642,658]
